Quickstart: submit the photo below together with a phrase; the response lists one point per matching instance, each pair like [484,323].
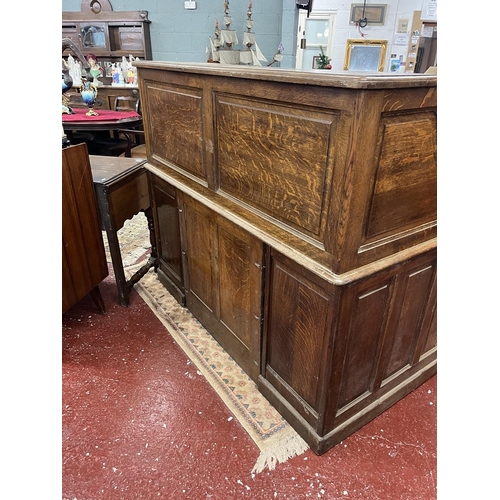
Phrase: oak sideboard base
[321,444]
[171,287]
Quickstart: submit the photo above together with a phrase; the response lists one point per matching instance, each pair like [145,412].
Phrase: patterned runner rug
[276,439]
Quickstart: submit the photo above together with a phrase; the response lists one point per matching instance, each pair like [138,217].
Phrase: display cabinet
[108,34]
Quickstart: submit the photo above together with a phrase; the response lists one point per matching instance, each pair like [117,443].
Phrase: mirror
[93,36]
[365,55]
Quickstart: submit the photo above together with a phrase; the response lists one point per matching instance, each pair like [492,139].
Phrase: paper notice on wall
[427,31]
[403,25]
[429,10]
[401,39]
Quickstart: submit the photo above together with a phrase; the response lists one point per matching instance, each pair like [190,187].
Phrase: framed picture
[374,13]
[365,55]
[315,62]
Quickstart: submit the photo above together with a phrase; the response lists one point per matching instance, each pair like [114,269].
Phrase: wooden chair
[118,144]
[136,148]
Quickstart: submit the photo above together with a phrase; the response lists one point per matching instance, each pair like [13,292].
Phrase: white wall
[396,9]
[178,34]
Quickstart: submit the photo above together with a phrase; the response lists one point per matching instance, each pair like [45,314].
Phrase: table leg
[116,257]
[153,257]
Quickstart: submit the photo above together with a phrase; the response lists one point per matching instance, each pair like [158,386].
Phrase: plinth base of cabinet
[172,288]
[321,444]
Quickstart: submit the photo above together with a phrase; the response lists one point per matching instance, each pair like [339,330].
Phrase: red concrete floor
[139,422]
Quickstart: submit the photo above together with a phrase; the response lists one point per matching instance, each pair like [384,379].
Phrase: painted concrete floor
[136,427]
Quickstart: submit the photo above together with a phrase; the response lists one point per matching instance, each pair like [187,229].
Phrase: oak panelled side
[343,172]
[337,356]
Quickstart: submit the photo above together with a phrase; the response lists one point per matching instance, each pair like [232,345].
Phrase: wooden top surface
[106,169]
[328,78]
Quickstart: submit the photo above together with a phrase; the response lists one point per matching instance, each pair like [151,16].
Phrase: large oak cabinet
[296,216]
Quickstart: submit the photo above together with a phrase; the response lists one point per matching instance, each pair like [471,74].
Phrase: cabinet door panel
[223,281]
[297,326]
[167,229]
[200,246]
[239,261]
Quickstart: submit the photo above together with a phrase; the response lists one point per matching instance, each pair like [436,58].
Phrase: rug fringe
[275,449]
[287,447]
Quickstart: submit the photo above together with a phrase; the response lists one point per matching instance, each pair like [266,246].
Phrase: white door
[317,30]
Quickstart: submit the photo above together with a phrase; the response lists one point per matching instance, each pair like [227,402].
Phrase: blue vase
[89,95]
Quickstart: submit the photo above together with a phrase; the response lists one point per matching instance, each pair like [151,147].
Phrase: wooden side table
[122,191]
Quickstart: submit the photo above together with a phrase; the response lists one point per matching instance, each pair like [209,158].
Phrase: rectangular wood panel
[405,189]
[224,282]
[415,295]
[276,158]
[174,126]
[365,337]
[239,279]
[167,230]
[200,231]
[296,330]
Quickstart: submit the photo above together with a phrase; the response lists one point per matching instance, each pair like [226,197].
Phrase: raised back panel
[405,192]
[415,297]
[174,122]
[277,159]
[364,338]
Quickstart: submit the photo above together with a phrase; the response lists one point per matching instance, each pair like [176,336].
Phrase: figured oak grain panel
[174,119]
[297,326]
[276,158]
[240,287]
[405,188]
[201,249]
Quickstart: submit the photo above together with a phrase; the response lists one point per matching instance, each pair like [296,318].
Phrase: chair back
[127,103]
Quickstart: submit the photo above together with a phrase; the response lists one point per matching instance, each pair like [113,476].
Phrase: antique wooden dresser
[296,219]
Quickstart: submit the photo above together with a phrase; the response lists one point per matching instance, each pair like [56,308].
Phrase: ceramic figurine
[95,69]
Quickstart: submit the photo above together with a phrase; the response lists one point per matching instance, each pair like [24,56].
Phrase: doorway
[314,31]
[427,48]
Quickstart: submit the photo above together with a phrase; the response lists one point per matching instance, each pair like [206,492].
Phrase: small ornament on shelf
[323,61]
[88,91]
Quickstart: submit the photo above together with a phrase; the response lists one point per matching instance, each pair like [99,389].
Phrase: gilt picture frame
[365,55]
[374,14]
